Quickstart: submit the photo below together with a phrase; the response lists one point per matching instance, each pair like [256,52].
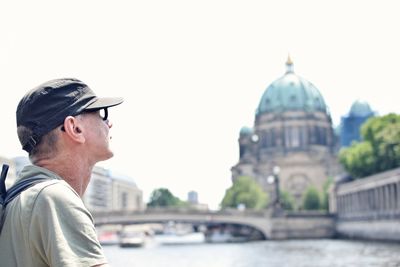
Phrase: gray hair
[46,147]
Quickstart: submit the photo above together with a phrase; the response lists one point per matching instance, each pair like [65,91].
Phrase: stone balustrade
[370,207]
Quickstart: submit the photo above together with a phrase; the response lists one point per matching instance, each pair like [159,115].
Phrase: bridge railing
[244,213]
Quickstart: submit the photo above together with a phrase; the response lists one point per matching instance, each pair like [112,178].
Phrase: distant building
[292,130]
[108,191]
[359,113]
[193,200]
[193,197]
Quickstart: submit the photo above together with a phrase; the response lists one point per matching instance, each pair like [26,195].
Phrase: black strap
[13,191]
[3,183]
[21,186]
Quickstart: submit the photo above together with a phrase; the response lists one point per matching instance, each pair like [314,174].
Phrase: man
[64,127]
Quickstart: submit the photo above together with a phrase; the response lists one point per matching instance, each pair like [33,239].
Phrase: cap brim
[105,102]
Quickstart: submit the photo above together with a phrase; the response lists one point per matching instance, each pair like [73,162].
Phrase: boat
[107,238]
[184,239]
[132,239]
[223,237]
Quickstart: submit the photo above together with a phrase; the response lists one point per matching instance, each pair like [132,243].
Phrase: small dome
[244,131]
[291,92]
[360,109]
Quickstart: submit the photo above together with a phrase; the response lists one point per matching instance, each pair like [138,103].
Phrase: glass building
[359,113]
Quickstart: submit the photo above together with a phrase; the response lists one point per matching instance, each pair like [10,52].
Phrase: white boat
[223,237]
[173,239]
[132,239]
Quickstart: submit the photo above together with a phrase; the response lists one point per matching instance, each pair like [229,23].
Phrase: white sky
[192,72]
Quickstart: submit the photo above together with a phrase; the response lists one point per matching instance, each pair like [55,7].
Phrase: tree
[379,151]
[245,191]
[359,159]
[162,197]
[384,135]
[287,200]
[311,199]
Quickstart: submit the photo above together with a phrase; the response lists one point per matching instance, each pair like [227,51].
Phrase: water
[298,253]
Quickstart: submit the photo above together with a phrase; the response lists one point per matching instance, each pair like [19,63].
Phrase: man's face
[97,134]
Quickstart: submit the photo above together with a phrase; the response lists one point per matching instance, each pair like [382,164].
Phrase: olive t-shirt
[48,225]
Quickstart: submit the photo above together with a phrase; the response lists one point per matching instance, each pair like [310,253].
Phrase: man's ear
[73,128]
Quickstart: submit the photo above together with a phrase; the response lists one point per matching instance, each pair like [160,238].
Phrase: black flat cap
[45,107]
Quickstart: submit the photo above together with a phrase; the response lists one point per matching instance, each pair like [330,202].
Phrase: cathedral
[292,133]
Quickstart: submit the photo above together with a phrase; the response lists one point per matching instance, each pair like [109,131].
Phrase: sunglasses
[103,113]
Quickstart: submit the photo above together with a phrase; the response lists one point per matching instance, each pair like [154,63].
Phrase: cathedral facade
[293,131]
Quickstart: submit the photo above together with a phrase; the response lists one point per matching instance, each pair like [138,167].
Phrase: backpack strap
[21,186]
[3,183]
[8,195]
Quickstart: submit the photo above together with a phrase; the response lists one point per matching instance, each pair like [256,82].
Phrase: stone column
[398,196]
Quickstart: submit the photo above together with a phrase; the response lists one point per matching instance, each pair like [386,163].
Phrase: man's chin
[107,156]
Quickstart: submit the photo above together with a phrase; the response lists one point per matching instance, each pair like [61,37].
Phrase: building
[359,113]
[193,201]
[108,191]
[368,208]
[193,197]
[292,130]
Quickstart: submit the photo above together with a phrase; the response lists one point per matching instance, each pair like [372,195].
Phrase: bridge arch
[258,221]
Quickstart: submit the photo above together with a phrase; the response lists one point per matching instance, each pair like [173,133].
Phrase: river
[296,253]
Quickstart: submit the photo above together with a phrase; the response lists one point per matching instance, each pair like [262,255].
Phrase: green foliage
[325,196]
[311,199]
[379,151]
[245,190]
[162,197]
[359,159]
[384,135]
[287,200]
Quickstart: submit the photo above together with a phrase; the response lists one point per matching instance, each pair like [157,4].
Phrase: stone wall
[303,225]
[387,230]
[369,208]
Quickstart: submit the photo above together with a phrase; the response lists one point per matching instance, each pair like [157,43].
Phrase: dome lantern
[289,65]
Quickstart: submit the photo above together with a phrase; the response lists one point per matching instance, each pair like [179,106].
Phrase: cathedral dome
[360,109]
[291,92]
[245,131]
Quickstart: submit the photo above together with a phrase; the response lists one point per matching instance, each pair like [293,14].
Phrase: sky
[193,72]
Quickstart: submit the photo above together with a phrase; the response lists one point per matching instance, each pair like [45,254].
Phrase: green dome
[244,131]
[360,109]
[291,92]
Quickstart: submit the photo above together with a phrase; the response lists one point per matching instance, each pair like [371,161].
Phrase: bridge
[256,220]
[267,226]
